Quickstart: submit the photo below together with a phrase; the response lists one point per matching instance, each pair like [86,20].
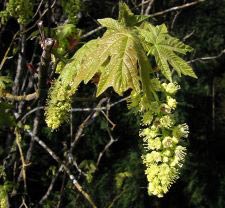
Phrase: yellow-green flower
[180,131]
[171,102]
[154,144]
[166,121]
[171,88]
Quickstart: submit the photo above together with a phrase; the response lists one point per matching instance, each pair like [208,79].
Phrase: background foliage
[119,179]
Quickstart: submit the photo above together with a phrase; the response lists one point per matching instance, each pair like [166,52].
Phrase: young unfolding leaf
[111,24]
[163,47]
[128,18]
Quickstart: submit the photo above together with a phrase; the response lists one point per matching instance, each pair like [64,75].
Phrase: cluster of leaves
[71,8]
[19,9]
[67,37]
[120,59]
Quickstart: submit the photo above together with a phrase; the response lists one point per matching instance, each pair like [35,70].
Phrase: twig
[91,32]
[188,36]
[100,108]
[71,176]
[119,101]
[41,16]
[176,8]
[11,97]
[74,162]
[149,7]
[78,109]
[111,141]
[142,7]
[43,69]
[18,142]
[109,120]
[32,111]
[84,124]
[88,109]
[41,94]
[7,51]
[24,82]
[23,204]
[20,62]
[174,19]
[39,6]
[152,15]
[79,133]
[48,192]
[62,190]
[116,198]
[208,58]
[142,3]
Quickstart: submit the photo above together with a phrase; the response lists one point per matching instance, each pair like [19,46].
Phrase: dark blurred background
[201,105]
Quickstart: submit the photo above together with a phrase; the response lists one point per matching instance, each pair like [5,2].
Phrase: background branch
[208,58]
[11,97]
[176,8]
[71,176]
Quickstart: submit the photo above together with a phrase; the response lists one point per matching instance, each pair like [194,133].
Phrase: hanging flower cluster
[164,153]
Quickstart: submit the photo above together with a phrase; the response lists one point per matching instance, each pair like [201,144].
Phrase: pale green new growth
[71,8]
[22,10]
[164,153]
[59,102]
[120,58]
[163,47]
